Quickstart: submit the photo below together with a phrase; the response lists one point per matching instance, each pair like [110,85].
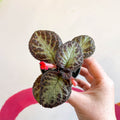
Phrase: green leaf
[69,56]
[44,44]
[86,43]
[53,89]
[36,88]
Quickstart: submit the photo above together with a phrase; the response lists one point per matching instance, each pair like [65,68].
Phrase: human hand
[97,100]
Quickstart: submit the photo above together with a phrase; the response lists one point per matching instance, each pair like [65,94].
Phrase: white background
[99,19]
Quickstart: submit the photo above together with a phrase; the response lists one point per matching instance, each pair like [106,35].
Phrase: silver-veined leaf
[44,44]
[69,56]
[37,88]
[86,43]
[53,89]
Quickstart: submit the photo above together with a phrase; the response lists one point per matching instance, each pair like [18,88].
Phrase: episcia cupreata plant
[59,63]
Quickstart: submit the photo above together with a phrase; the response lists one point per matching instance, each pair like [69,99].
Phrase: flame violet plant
[60,64]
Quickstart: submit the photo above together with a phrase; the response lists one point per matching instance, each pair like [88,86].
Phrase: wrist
[107,117]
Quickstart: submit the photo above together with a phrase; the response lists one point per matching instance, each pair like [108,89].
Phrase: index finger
[94,68]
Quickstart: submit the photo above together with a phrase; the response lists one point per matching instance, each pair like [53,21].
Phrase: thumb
[77,99]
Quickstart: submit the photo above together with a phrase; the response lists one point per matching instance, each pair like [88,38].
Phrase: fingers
[84,85]
[76,99]
[94,68]
[84,72]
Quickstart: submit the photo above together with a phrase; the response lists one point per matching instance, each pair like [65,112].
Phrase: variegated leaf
[69,56]
[86,43]
[37,88]
[53,89]
[44,44]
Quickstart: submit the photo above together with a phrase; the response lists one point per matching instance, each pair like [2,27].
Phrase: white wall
[20,18]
